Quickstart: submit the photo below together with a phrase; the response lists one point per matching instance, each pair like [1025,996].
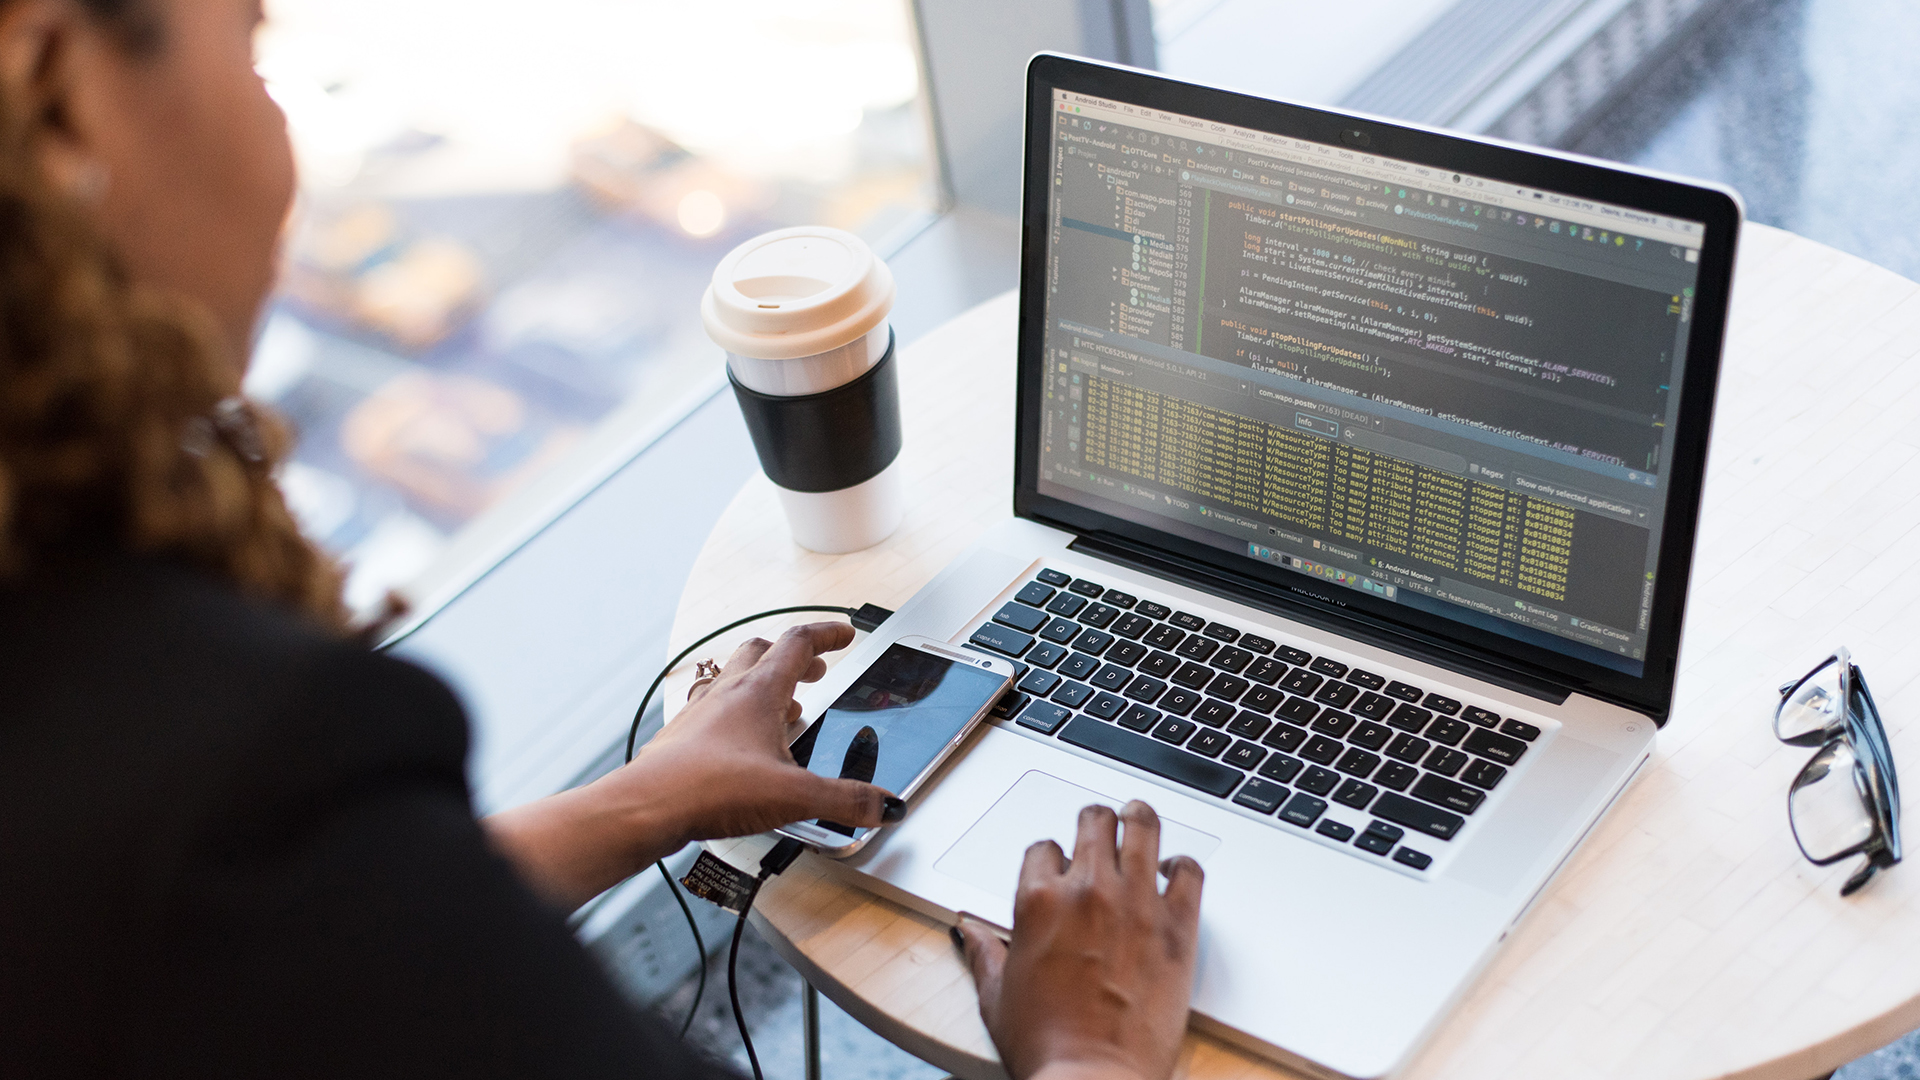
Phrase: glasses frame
[1860,728]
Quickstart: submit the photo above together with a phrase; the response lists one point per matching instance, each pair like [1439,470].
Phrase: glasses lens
[1815,709]
[1828,805]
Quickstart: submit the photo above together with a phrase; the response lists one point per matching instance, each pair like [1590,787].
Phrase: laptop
[1356,484]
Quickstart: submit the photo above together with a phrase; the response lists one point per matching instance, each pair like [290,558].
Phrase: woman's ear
[46,50]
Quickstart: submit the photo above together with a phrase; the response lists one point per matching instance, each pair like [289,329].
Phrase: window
[508,213]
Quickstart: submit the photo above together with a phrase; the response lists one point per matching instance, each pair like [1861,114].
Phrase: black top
[231,845]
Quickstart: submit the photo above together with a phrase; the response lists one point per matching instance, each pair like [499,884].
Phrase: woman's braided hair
[122,428]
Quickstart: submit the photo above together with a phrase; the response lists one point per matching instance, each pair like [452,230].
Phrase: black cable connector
[781,857]
[868,617]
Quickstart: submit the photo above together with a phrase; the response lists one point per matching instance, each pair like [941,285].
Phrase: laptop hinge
[1268,598]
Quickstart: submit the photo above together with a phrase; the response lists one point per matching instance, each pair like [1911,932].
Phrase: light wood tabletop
[1687,938]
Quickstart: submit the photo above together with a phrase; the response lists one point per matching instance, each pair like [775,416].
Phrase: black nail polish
[893,811]
[959,939]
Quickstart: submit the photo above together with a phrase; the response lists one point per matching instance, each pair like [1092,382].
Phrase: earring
[234,422]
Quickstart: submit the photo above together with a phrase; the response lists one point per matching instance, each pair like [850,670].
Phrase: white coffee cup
[802,315]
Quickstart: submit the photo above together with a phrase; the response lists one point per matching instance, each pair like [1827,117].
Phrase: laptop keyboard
[1241,717]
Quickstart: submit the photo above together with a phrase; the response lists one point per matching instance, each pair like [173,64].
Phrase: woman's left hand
[720,769]
[726,755]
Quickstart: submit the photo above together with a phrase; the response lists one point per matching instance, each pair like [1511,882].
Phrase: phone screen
[901,712]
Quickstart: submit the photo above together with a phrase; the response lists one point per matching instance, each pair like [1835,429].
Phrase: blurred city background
[509,210]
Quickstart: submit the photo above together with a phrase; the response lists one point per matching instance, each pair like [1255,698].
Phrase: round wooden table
[1687,938]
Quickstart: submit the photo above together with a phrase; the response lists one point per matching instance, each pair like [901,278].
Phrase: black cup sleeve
[830,440]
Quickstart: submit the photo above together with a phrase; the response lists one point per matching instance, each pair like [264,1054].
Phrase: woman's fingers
[1044,861]
[747,655]
[798,648]
[986,955]
[1140,846]
[1093,848]
[1184,882]
[849,802]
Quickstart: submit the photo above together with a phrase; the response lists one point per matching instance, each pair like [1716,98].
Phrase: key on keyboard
[1003,639]
[1281,768]
[1208,743]
[1036,593]
[1213,713]
[1198,648]
[1044,717]
[1145,688]
[1073,694]
[1179,702]
[1244,755]
[1249,725]
[1067,605]
[1020,617]
[1046,654]
[1060,631]
[1418,815]
[1079,665]
[1191,623]
[1093,641]
[1261,796]
[1174,731]
[1039,681]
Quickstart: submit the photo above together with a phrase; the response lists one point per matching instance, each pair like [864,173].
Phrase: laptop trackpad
[1042,807]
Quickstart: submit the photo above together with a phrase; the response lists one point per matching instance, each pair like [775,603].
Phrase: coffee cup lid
[796,292]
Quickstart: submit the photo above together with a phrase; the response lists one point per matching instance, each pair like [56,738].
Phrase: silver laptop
[1357,475]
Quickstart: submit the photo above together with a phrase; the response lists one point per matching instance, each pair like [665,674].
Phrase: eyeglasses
[1846,801]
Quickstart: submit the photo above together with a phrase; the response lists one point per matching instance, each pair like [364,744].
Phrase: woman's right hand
[1097,978]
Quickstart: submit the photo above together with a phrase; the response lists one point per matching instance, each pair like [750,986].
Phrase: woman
[231,840]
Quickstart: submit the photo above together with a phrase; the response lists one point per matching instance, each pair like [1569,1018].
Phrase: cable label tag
[719,882]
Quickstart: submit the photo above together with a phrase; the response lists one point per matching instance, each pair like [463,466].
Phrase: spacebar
[1156,757]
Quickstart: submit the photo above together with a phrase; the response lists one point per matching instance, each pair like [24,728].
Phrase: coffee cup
[802,315]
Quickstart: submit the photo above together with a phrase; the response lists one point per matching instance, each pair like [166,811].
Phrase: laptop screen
[1443,391]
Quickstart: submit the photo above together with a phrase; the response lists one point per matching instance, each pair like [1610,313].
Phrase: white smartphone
[895,724]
